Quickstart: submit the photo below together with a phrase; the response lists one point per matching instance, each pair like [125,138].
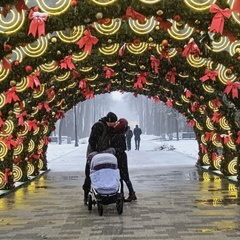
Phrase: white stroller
[106,185]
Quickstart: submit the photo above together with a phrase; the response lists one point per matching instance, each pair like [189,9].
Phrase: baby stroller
[106,186]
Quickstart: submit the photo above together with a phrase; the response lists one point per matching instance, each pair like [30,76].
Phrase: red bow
[236,6]
[6,64]
[109,72]
[107,88]
[156,99]
[46,140]
[188,93]
[122,49]
[218,20]
[226,139]
[38,23]
[7,174]
[216,117]
[10,142]
[75,75]
[20,5]
[32,124]
[232,87]
[209,75]
[20,140]
[169,102]
[59,114]
[17,160]
[216,103]
[131,13]
[67,63]
[83,83]
[88,40]
[170,76]
[45,105]
[214,156]
[208,136]
[11,95]
[203,149]
[50,92]
[238,139]
[191,47]
[194,106]
[141,79]
[33,80]
[87,93]
[20,118]
[155,63]
[1,121]
[191,123]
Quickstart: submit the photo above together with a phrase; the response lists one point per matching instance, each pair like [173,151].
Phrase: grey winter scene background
[153,118]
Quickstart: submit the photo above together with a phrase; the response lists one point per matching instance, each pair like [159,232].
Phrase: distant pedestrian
[129,135]
[137,132]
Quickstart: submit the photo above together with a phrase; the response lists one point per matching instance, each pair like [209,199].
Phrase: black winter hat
[111,117]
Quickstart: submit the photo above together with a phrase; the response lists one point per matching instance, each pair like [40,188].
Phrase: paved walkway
[173,203]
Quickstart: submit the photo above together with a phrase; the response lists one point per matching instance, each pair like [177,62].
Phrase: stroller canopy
[103,160]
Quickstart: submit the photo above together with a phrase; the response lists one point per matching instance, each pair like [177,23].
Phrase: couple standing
[108,134]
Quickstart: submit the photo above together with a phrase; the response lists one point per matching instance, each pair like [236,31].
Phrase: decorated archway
[55,54]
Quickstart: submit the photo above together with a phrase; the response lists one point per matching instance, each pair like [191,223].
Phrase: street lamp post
[75,126]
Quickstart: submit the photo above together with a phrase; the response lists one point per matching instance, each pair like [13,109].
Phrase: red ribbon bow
[232,87]
[188,93]
[75,75]
[214,156]
[38,23]
[46,140]
[170,76]
[194,106]
[131,13]
[32,124]
[155,62]
[20,5]
[87,93]
[50,92]
[191,123]
[156,99]
[33,80]
[6,64]
[238,139]
[226,139]
[45,105]
[169,102]
[209,75]
[11,95]
[109,72]
[83,83]
[208,136]
[218,20]
[67,63]
[88,40]
[203,149]
[236,6]
[216,117]
[20,118]
[122,49]
[59,114]
[10,142]
[20,140]
[216,103]
[191,47]
[141,79]
[7,174]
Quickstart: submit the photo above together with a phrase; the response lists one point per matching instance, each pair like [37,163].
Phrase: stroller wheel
[119,205]
[100,209]
[90,202]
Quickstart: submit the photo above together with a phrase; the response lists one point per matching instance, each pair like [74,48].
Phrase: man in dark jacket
[99,141]
[129,135]
[137,132]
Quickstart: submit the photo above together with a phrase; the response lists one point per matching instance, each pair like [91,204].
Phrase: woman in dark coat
[118,142]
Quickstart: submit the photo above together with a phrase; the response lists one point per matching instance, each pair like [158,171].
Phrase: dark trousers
[137,144]
[129,144]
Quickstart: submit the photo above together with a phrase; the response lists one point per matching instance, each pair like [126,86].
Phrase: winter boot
[131,197]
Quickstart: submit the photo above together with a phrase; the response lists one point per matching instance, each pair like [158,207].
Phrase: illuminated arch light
[210,104]
[209,124]
[2,100]
[232,166]
[137,49]
[40,164]
[77,33]
[40,144]
[104,2]
[143,28]
[17,108]
[150,1]
[208,88]
[186,100]
[3,73]
[110,28]
[30,169]
[3,150]
[17,55]
[198,126]
[2,182]
[199,5]
[18,150]
[40,92]
[50,100]
[63,77]
[36,131]
[37,48]
[233,47]
[224,124]
[8,128]
[85,69]
[24,131]
[222,45]
[17,173]
[72,85]
[48,67]
[79,56]
[180,34]
[217,162]
[23,85]
[45,130]
[205,159]
[93,78]
[12,22]
[171,53]
[31,145]
[231,144]
[178,103]
[54,8]
[222,74]
[216,143]
[109,50]
[203,139]
[196,62]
